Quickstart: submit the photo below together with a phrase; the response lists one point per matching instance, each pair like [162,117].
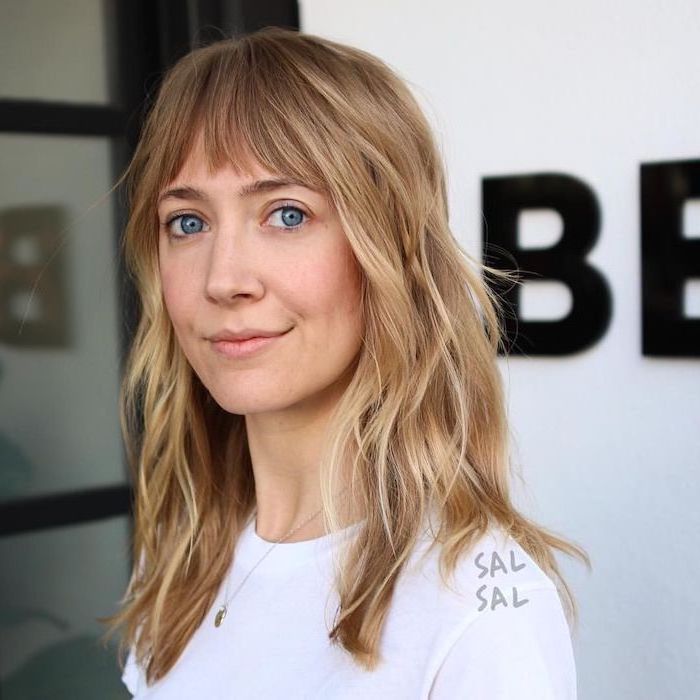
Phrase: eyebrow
[187,192]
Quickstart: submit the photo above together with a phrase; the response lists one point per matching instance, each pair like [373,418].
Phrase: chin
[246,406]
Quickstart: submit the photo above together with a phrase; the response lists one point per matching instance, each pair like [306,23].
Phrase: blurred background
[570,135]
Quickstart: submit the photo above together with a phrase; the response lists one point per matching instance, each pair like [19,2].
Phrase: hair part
[422,424]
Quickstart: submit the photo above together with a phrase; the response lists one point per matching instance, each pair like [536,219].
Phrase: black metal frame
[151,35]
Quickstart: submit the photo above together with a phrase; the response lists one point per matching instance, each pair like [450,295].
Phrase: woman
[322,510]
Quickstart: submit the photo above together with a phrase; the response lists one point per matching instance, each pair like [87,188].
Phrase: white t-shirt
[502,636]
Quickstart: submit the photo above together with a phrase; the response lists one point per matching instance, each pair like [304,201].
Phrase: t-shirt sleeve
[511,653]
[132,676]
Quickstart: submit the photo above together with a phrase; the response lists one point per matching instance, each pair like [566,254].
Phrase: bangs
[245,105]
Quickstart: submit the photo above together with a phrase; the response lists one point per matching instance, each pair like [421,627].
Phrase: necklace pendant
[220,616]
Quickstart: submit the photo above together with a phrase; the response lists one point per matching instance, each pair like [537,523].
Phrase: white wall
[606,439]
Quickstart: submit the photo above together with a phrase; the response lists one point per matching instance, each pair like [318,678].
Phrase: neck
[285,449]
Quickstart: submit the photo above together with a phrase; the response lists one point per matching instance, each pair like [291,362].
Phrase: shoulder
[492,574]
[499,629]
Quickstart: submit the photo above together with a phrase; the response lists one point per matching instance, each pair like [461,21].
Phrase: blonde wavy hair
[422,422]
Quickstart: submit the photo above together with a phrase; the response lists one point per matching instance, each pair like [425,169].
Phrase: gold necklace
[221,613]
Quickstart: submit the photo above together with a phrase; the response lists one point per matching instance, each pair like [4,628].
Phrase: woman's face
[238,254]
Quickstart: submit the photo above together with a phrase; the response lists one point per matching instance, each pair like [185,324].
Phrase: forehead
[199,179]
[199,166]
[231,166]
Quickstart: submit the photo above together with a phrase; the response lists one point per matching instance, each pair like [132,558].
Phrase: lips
[228,345]
[245,334]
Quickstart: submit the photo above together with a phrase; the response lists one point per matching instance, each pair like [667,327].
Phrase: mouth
[244,348]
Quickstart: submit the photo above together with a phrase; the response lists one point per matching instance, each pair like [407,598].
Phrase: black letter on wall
[503,199]
[668,258]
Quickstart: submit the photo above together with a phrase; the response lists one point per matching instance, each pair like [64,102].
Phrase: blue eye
[189,223]
[292,217]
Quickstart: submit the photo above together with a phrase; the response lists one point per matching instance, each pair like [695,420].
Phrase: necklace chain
[221,613]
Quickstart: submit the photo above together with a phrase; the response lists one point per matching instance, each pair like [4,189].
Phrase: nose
[232,269]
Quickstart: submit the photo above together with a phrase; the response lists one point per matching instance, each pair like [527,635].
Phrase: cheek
[177,293]
[327,286]
[337,294]
[349,289]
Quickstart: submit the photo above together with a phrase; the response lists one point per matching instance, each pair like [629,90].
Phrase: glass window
[58,51]
[59,343]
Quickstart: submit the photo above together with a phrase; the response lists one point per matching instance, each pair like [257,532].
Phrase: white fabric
[500,634]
